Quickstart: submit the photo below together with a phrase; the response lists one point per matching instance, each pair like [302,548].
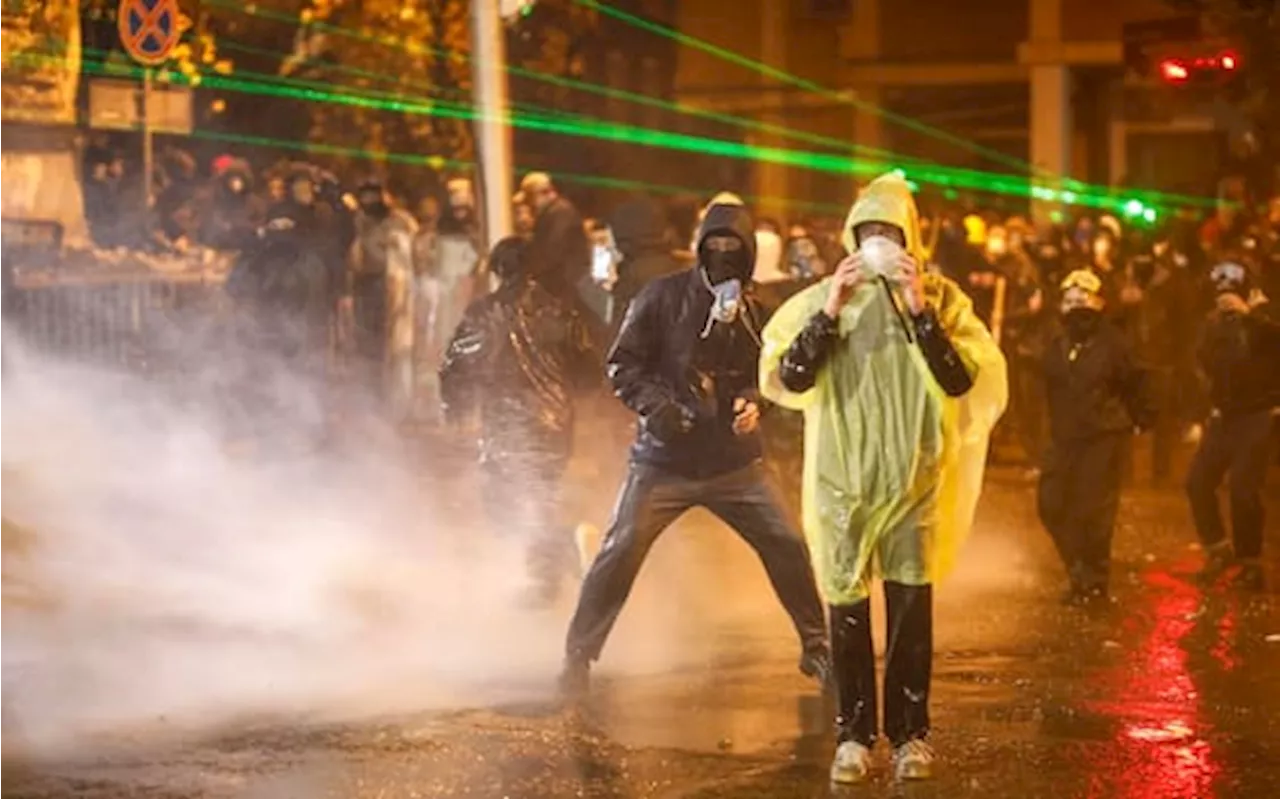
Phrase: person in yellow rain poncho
[900,384]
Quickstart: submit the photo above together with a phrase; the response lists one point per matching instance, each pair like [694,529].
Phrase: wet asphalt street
[1172,692]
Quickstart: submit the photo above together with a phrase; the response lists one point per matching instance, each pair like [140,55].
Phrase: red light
[1228,61]
[1173,71]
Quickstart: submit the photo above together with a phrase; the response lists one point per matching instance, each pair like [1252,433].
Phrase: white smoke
[159,578]
[170,575]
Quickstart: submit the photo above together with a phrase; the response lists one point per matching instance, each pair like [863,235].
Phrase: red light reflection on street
[1159,751]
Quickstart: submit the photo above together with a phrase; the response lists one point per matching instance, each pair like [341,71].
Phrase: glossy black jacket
[663,368]
[520,358]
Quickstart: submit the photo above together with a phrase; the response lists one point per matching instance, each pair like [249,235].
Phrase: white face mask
[880,254]
[997,246]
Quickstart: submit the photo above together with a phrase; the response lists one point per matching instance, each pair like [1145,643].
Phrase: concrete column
[1051,123]
[772,180]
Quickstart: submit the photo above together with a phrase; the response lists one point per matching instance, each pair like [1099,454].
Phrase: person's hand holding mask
[849,274]
[909,278]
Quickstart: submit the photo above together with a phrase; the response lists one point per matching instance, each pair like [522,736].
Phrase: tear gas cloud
[157,579]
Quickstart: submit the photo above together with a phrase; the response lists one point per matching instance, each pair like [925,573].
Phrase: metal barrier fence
[127,320]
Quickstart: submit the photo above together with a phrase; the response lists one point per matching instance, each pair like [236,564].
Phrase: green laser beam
[584,86]
[1068,184]
[808,85]
[312,91]
[974,176]
[426,86]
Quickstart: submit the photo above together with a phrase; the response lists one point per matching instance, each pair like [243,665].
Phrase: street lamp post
[489,63]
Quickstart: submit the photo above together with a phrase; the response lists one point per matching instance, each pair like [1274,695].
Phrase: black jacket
[520,357]
[560,252]
[681,385]
[1240,355]
[1095,387]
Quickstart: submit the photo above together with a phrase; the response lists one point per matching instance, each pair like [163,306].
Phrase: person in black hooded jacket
[686,362]
[639,227]
[1097,395]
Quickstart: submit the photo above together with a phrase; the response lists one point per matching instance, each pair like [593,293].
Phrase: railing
[111,316]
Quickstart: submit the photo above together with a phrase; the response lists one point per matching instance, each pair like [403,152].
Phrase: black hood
[730,219]
[639,226]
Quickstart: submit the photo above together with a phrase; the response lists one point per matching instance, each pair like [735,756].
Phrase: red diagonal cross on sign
[150,23]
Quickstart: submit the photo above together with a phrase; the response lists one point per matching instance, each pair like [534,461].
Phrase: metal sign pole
[148,159]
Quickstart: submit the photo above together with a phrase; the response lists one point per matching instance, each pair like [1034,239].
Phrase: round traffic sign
[149,29]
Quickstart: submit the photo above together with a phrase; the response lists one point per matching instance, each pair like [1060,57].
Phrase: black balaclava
[1081,323]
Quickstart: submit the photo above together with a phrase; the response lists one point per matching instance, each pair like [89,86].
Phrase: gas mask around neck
[726,303]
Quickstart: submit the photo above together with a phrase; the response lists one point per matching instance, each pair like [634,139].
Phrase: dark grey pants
[651,499]
[1234,448]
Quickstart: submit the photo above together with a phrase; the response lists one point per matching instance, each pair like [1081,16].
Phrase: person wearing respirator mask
[1240,354]
[685,361]
[1097,394]
[900,389]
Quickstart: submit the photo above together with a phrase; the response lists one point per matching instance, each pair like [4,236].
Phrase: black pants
[1078,499]
[651,499]
[522,498]
[907,669]
[1234,448]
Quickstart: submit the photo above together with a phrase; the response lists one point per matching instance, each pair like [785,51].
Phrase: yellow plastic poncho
[892,466]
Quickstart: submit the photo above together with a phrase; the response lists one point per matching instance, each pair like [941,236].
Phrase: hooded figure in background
[685,362]
[1240,356]
[1097,395]
[639,229]
[380,281]
[233,213]
[900,384]
[520,359]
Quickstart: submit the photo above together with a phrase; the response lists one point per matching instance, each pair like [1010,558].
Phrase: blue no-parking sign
[149,29]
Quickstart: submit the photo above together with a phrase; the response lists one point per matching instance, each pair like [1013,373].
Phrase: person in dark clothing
[560,252]
[284,293]
[233,213]
[686,361]
[639,229]
[1097,394]
[1240,356]
[520,359]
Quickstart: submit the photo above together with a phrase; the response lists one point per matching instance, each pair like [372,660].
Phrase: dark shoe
[816,663]
[575,678]
[1217,559]
[1251,578]
[1080,597]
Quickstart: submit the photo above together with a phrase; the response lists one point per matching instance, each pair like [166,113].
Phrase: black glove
[669,421]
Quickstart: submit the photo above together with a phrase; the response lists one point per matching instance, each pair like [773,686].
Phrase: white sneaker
[913,761]
[851,763]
